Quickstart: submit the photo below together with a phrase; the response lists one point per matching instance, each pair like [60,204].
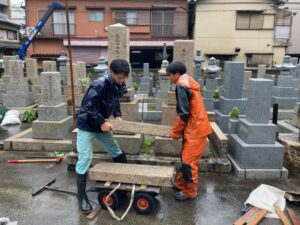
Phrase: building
[151,24]
[9,32]
[294,48]
[17,13]
[255,32]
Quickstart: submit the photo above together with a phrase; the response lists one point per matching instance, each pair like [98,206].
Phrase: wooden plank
[94,213]
[140,128]
[259,216]
[246,216]
[282,216]
[293,216]
[161,176]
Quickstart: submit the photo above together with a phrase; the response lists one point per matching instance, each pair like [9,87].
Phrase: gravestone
[49,66]
[6,59]
[62,62]
[145,80]
[254,148]
[198,60]
[211,84]
[184,52]
[17,89]
[118,42]
[296,116]
[247,77]
[32,76]
[261,70]
[2,90]
[169,113]
[164,85]
[54,122]
[101,68]
[232,94]
[285,93]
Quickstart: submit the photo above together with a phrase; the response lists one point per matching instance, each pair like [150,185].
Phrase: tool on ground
[94,213]
[282,216]
[56,160]
[246,216]
[293,216]
[246,209]
[47,187]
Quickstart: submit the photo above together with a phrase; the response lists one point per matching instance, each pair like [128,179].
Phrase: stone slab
[218,140]
[211,84]
[233,80]
[78,99]
[256,156]
[172,98]
[226,105]
[18,100]
[209,104]
[78,90]
[285,81]
[49,66]
[167,147]
[284,103]
[169,115]
[207,93]
[52,113]
[161,176]
[284,92]
[129,110]
[254,133]
[263,174]
[140,128]
[52,130]
[184,52]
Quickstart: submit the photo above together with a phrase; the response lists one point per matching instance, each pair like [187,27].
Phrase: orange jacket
[192,117]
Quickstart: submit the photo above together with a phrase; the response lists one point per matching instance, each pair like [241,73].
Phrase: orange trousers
[187,178]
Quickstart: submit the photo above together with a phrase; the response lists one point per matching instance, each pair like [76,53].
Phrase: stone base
[209,104]
[264,174]
[18,100]
[207,93]
[283,114]
[52,113]
[149,116]
[223,120]
[256,156]
[292,151]
[169,115]
[284,103]
[226,105]
[130,144]
[129,110]
[52,130]
[23,141]
[284,92]
[253,133]
[159,103]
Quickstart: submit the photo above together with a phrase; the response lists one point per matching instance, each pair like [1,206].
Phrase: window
[253,60]
[95,15]
[60,24]
[2,34]
[12,35]
[248,20]
[129,17]
[162,23]
[283,24]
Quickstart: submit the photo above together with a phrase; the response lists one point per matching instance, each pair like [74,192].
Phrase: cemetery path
[219,203]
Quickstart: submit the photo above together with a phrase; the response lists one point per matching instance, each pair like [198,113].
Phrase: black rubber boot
[121,158]
[83,201]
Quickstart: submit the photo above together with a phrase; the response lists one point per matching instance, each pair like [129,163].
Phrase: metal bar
[71,62]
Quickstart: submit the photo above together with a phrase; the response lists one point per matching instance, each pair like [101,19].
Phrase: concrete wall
[215,29]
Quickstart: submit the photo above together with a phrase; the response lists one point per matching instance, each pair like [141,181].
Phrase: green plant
[84,81]
[148,142]
[135,86]
[69,101]
[235,113]
[29,81]
[216,94]
[201,88]
[3,110]
[62,82]
[29,115]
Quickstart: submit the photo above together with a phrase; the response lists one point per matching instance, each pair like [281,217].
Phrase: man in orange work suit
[193,125]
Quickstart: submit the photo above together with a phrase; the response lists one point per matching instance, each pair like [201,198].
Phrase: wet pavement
[219,203]
[8,131]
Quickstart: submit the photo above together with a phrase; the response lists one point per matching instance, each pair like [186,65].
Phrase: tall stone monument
[254,149]
[62,62]
[261,70]
[49,66]
[54,122]
[145,79]
[232,93]
[184,52]
[211,84]
[17,89]
[247,77]
[32,76]
[164,85]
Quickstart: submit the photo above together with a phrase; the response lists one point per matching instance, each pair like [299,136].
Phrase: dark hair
[176,67]
[118,66]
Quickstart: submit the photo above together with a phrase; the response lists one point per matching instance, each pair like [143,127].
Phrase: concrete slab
[140,128]
[161,176]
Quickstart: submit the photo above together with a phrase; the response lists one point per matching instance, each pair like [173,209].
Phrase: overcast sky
[16,2]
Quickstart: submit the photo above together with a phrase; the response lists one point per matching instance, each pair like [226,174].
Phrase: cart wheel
[113,200]
[144,203]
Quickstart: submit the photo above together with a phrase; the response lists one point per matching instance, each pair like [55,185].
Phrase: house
[151,24]
[9,31]
[255,32]
[294,48]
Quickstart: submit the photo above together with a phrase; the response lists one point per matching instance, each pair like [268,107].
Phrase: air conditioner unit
[29,30]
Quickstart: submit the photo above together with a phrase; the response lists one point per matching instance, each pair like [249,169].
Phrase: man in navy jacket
[101,101]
